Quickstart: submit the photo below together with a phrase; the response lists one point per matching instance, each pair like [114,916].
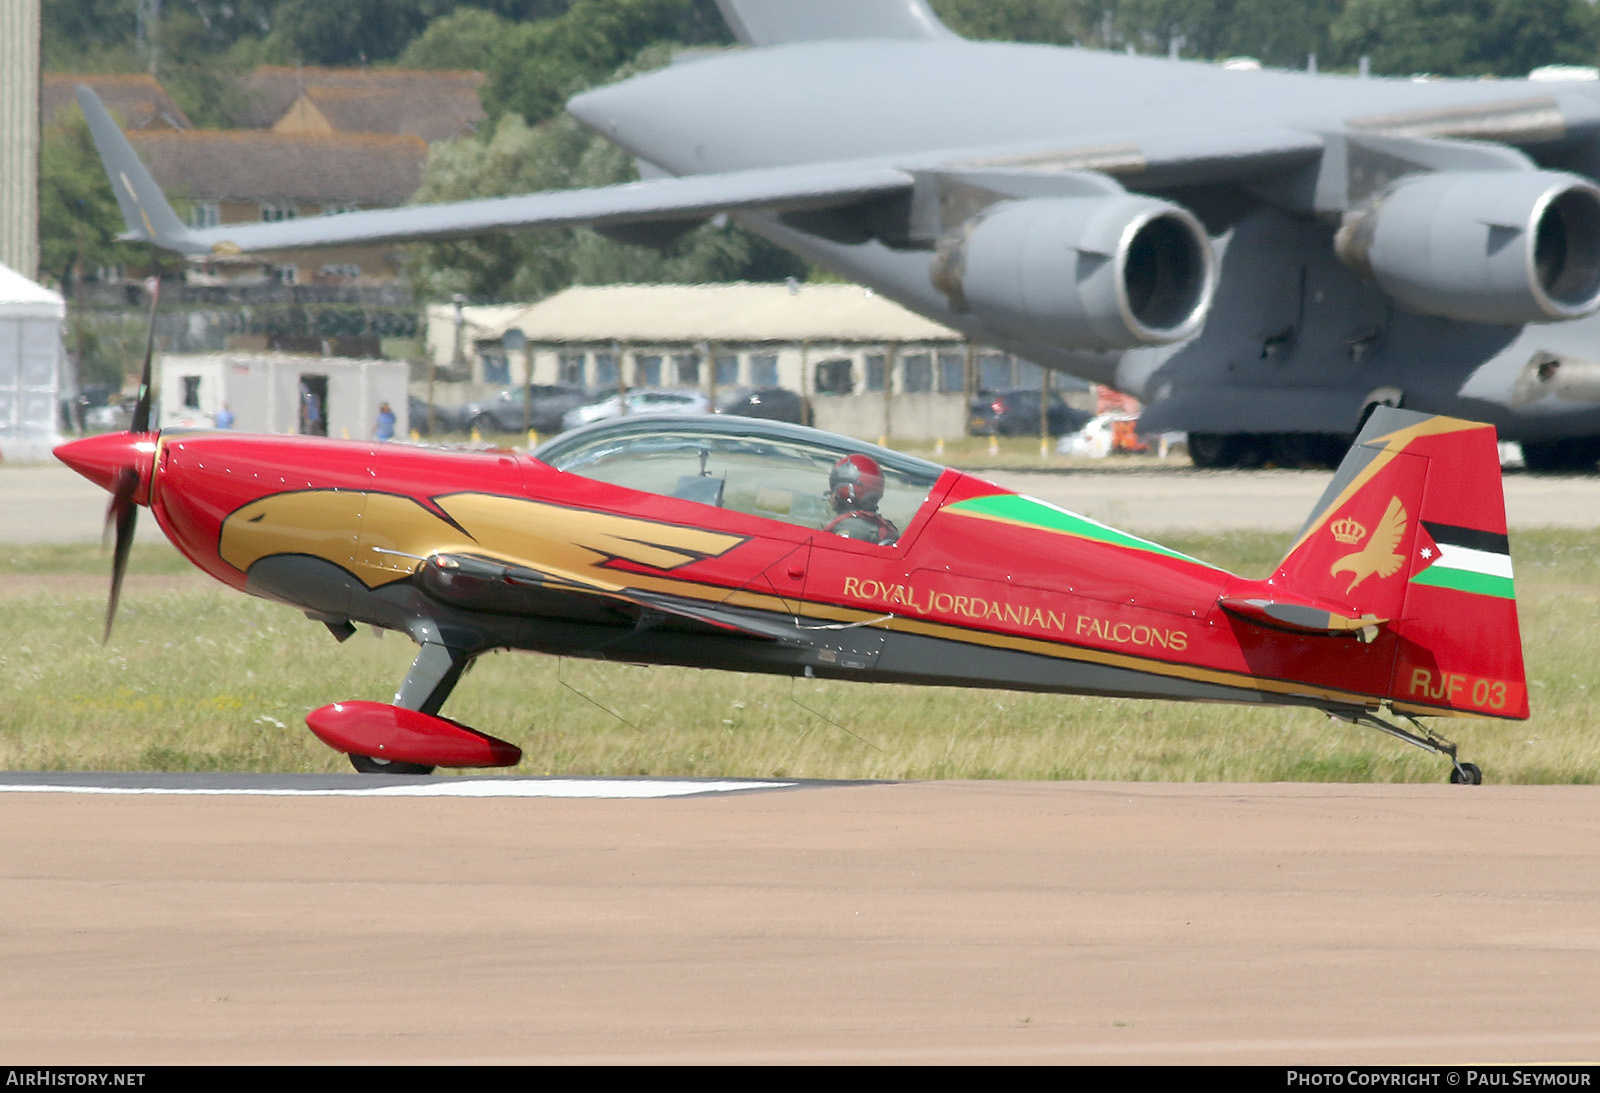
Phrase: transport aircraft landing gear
[1461,774]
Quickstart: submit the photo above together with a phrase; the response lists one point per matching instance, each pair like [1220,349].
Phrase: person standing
[224,417]
[385,430]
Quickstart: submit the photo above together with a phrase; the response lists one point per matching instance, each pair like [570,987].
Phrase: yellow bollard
[938,446]
[477,438]
[415,436]
[1044,447]
[994,444]
[533,439]
[344,434]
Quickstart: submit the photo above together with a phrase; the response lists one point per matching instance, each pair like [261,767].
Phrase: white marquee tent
[30,367]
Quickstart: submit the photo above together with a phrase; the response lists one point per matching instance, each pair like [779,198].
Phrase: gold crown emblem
[1348,531]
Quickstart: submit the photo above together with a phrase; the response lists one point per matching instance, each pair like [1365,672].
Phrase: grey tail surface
[780,22]
[145,211]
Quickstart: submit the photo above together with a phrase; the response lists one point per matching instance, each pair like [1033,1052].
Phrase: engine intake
[1508,247]
[1103,272]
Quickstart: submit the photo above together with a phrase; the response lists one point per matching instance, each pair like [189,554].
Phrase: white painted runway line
[596,788]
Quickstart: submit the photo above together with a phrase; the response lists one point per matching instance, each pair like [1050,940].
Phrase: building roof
[22,298]
[430,104]
[136,100]
[741,313]
[241,165]
[439,115]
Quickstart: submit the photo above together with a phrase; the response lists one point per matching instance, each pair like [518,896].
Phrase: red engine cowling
[381,731]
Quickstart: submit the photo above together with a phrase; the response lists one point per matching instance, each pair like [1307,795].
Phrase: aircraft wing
[1058,169]
[487,584]
[803,187]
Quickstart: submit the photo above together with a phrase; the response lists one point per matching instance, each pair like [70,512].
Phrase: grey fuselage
[1295,340]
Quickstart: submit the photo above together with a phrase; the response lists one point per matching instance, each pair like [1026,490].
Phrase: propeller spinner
[122,464]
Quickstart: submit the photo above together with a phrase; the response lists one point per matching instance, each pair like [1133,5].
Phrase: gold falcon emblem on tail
[1381,554]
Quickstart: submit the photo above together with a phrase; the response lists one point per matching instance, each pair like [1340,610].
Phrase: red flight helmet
[856,482]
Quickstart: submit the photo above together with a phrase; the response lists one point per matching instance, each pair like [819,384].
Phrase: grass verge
[199,678]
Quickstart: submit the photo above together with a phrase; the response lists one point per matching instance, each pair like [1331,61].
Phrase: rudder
[1412,531]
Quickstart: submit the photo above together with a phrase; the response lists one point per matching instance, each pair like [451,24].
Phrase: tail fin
[779,22]
[145,211]
[1411,534]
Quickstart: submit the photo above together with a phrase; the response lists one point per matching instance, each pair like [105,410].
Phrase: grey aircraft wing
[150,219]
[1060,168]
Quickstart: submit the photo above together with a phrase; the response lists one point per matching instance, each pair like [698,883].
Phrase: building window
[496,367]
[605,369]
[763,370]
[289,275]
[1029,375]
[282,211]
[205,214]
[727,369]
[834,377]
[952,373]
[191,392]
[570,366]
[338,207]
[994,372]
[876,364]
[341,269]
[647,370]
[916,373]
[686,369]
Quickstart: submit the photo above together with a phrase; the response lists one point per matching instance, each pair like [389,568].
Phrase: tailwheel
[1403,726]
[366,764]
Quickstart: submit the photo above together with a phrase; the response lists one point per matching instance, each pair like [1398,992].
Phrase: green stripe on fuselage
[1019,509]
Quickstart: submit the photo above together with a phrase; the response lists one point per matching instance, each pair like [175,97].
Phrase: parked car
[645,401]
[446,419]
[1015,412]
[771,403]
[504,412]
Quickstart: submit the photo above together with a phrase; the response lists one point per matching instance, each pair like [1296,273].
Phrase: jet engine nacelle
[1483,246]
[1112,271]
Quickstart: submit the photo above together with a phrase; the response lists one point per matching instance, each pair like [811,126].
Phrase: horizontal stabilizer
[1302,618]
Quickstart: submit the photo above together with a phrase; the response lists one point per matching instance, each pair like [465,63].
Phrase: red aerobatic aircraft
[757,546]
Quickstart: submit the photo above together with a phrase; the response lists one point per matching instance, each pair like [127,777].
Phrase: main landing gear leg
[433,675]
[1461,774]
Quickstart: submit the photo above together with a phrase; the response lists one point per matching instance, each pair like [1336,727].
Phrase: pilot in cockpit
[855,486]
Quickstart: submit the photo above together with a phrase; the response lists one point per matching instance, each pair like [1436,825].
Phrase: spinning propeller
[122,463]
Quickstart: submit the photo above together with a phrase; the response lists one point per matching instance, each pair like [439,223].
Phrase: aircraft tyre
[1573,454]
[1314,451]
[1211,451]
[366,764]
[1466,774]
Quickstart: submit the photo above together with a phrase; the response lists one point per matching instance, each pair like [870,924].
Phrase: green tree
[1466,37]
[537,66]
[1053,22]
[561,154]
[78,216]
[460,40]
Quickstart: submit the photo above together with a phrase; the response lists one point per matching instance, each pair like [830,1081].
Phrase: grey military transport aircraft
[1262,257]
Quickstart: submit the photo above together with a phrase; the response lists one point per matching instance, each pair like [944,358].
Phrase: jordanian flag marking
[1466,560]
